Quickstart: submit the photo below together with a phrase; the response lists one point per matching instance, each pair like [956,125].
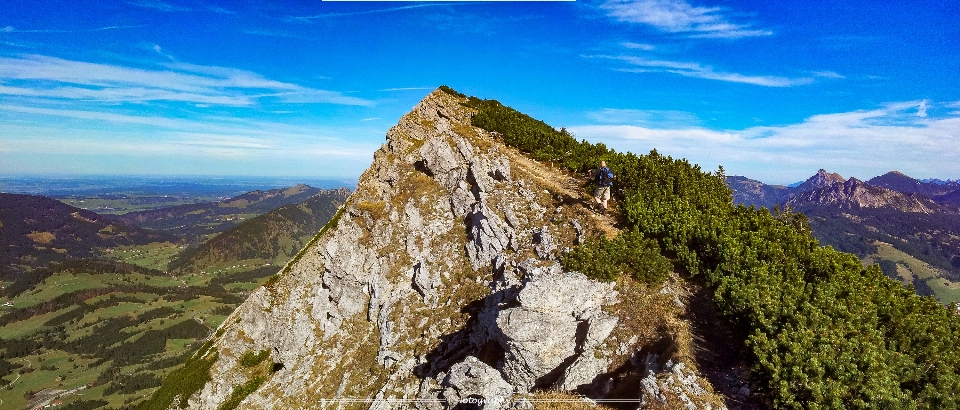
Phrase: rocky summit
[439,284]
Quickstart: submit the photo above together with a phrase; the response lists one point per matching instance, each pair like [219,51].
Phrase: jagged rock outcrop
[439,284]
[821,179]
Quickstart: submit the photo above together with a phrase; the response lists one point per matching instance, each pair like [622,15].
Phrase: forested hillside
[36,231]
[822,330]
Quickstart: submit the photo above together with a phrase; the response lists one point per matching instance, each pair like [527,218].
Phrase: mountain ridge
[193,222]
[440,278]
[898,181]
[454,274]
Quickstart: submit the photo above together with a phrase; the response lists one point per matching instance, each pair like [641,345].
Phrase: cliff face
[439,283]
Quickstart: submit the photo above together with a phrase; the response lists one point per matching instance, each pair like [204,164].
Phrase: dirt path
[572,189]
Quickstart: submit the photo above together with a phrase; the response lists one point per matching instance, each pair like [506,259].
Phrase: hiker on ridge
[604,180]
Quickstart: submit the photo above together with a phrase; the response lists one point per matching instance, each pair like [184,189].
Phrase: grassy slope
[910,270]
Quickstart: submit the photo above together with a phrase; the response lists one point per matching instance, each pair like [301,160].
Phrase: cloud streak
[678,16]
[51,77]
[697,70]
[158,6]
[11,29]
[406,89]
[862,143]
[662,119]
[365,12]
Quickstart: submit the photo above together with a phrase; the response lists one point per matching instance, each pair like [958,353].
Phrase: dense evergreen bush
[629,253]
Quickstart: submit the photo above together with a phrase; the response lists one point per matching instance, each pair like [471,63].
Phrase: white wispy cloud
[158,5]
[922,109]
[274,33]
[678,16]
[955,104]
[51,77]
[159,50]
[862,143]
[697,70]
[11,29]
[220,10]
[638,46]
[374,11]
[98,132]
[828,74]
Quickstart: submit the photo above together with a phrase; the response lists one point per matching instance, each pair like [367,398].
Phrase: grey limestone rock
[578,229]
[426,283]
[437,156]
[675,378]
[536,343]
[511,217]
[543,243]
[558,318]
[473,378]
[582,372]
[500,168]
[487,234]
[569,293]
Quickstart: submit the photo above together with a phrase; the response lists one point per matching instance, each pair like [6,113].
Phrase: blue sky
[770,90]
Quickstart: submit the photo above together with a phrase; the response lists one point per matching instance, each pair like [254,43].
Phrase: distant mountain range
[918,218]
[856,194]
[195,222]
[899,182]
[892,190]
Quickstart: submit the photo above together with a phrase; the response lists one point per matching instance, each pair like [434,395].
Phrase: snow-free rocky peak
[439,284]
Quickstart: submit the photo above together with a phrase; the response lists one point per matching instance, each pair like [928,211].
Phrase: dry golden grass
[41,237]
[376,210]
[554,400]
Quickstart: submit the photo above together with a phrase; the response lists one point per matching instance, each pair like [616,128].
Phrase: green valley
[103,324]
